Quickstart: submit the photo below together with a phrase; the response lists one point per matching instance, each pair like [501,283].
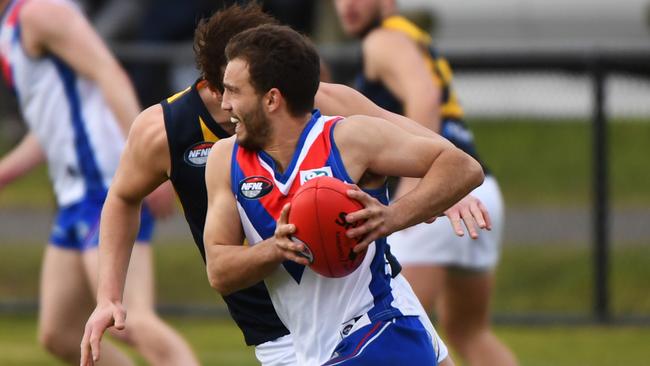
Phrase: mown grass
[218,342]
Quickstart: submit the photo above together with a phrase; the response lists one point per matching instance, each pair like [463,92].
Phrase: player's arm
[230,265]
[336,99]
[22,159]
[59,29]
[143,167]
[371,145]
[396,61]
[341,100]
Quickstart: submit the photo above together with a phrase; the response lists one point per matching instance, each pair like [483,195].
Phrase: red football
[318,211]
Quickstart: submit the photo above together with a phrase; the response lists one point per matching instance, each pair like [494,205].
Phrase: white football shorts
[437,243]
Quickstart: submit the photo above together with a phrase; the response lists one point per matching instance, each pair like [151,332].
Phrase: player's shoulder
[47,14]
[357,129]
[381,40]
[224,147]
[220,157]
[149,127]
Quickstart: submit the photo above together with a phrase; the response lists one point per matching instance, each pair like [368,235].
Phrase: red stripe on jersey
[316,157]
[12,17]
[6,71]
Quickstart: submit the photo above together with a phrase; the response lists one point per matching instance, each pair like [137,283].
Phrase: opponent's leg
[65,303]
[426,280]
[463,309]
[158,343]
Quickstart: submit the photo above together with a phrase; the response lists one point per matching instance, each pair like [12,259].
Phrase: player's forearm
[118,230]
[27,155]
[423,112]
[336,99]
[120,96]
[231,267]
[452,176]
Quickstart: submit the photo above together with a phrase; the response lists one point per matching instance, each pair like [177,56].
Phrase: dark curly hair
[279,57]
[213,33]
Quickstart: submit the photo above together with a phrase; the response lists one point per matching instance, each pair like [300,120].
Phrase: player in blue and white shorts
[269,86]
[78,105]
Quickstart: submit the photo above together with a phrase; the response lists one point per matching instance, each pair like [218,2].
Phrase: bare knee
[463,337]
[60,345]
[139,328]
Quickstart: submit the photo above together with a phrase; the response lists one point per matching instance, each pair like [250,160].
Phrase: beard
[257,129]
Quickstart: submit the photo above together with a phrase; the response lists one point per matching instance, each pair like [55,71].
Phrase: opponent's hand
[161,201]
[103,317]
[288,249]
[376,215]
[471,211]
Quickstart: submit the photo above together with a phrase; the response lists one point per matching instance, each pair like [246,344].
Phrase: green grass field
[218,342]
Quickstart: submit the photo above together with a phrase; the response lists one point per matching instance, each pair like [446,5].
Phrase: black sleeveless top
[191,132]
[452,126]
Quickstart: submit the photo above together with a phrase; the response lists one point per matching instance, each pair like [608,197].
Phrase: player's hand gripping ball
[318,211]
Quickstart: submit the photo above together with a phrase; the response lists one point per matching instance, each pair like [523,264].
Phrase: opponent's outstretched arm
[143,167]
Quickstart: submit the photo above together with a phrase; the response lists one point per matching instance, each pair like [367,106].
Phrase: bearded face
[252,127]
[245,106]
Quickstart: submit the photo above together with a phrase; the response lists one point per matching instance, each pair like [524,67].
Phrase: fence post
[600,220]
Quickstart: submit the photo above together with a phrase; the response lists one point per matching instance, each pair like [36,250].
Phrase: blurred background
[557,94]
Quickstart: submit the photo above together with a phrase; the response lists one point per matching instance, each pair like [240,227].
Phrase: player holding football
[169,141]
[368,317]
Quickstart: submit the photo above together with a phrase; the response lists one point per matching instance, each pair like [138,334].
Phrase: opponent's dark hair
[279,57]
[212,35]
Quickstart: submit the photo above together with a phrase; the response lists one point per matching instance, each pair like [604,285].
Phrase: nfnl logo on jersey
[197,154]
[306,175]
[255,187]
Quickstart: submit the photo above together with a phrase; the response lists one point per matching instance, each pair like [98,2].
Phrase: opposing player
[368,317]
[78,104]
[403,73]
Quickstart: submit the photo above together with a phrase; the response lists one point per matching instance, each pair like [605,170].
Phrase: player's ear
[272,99]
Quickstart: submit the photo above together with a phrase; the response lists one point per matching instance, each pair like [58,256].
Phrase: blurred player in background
[370,317]
[78,104]
[403,73]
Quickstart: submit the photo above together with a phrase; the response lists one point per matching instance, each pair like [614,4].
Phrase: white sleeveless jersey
[317,310]
[67,113]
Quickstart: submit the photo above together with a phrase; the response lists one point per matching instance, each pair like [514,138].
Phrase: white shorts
[437,243]
[278,352]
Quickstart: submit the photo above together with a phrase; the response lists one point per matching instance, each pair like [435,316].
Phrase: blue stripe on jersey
[334,160]
[283,177]
[85,156]
[380,282]
[255,209]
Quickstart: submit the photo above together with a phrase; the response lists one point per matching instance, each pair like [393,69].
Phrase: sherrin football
[318,211]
